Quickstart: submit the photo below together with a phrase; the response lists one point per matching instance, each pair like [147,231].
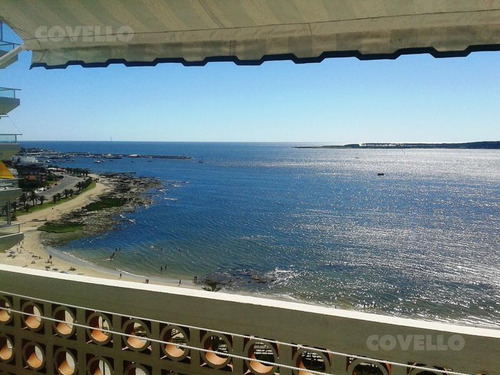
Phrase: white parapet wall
[68,324]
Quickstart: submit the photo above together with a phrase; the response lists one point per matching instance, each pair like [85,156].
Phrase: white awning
[194,32]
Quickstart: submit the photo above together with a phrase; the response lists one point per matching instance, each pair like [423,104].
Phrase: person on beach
[120,275]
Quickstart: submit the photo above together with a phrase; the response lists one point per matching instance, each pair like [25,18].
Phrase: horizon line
[322,142]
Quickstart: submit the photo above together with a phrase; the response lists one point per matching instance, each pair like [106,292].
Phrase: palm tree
[54,198]
[41,198]
[33,197]
[66,193]
[58,196]
[27,207]
[71,192]
[14,208]
[23,199]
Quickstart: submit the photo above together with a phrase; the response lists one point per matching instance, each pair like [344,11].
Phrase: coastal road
[68,182]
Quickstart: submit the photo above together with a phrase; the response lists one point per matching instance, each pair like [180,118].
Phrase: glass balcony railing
[9,183]
[6,46]
[8,138]
[6,92]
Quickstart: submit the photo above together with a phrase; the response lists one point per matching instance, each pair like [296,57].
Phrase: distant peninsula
[486,145]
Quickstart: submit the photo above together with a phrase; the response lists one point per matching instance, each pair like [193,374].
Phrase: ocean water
[315,225]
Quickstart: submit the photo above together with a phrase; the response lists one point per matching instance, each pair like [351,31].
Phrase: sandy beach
[31,253]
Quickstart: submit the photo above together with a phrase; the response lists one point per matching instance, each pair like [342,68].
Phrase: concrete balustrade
[5,315]
[174,335]
[99,324]
[261,351]
[6,348]
[68,324]
[64,324]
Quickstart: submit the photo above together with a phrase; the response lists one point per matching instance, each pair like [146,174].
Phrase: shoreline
[124,194]
[34,254]
[483,145]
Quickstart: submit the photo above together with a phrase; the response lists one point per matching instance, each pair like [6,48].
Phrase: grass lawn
[105,202]
[61,227]
[47,204]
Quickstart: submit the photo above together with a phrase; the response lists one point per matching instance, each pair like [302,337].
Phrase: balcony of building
[9,183]
[8,100]
[9,191]
[9,146]
[5,48]
[70,324]
[10,235]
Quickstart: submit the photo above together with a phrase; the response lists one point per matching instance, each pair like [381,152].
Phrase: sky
[415,98]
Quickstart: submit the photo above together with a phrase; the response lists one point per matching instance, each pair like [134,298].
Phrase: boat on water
[111,156]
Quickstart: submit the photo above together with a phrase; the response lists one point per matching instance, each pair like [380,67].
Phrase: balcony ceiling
[8,104]
[194,32]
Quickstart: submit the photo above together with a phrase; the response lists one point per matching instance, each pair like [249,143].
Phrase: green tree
[33,197]
[41,198]
[14,208]
[23,199]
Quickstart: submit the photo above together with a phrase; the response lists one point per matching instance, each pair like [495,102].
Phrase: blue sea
[315,225]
